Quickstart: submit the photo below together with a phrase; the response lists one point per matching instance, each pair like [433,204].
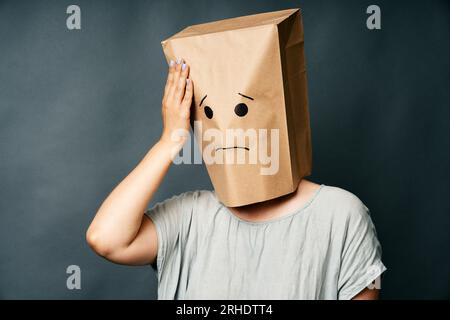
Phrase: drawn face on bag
[240,132]
[239,110]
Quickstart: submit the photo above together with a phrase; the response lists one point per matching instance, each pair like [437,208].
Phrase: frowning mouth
[235,147]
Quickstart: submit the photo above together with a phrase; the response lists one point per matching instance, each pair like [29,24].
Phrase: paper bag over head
[250,85]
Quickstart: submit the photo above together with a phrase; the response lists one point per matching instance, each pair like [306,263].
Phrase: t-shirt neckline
[291,214]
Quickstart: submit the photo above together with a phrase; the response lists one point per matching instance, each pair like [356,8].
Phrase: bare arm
[367,294]
[120,232]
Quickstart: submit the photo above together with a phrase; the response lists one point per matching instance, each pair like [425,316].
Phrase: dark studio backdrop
[80,108]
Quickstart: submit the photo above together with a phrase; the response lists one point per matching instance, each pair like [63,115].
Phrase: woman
[316,243]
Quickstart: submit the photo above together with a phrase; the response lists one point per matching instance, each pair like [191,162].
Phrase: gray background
[79,109]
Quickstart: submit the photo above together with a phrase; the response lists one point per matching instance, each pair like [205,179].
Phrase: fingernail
[188,81]
[178,60]
[171,63]
[183,66]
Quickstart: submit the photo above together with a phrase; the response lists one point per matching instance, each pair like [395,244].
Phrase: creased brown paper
[249,78]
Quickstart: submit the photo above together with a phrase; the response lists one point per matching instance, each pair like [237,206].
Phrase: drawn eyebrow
[245,96]
[203,99]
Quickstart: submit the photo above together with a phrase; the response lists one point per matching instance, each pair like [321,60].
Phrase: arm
[367,294]
[120,232]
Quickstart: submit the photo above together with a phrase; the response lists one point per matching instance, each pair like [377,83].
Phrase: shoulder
[342,206]
[190,197]
[192,201]
[181,209]
[198,209]
[197,197]
[341,198]
[181,204]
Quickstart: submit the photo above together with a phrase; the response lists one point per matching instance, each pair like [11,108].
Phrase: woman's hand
[176,104]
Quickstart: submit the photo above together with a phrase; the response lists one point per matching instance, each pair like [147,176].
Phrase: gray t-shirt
[327,249]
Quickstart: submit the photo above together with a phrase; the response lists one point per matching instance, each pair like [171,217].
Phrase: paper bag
[250,106]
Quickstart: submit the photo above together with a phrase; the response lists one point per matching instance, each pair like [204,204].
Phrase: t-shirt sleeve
[168,216]
[361,264]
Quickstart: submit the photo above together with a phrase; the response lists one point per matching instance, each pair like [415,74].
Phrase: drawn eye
[241,109]
[208,112]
